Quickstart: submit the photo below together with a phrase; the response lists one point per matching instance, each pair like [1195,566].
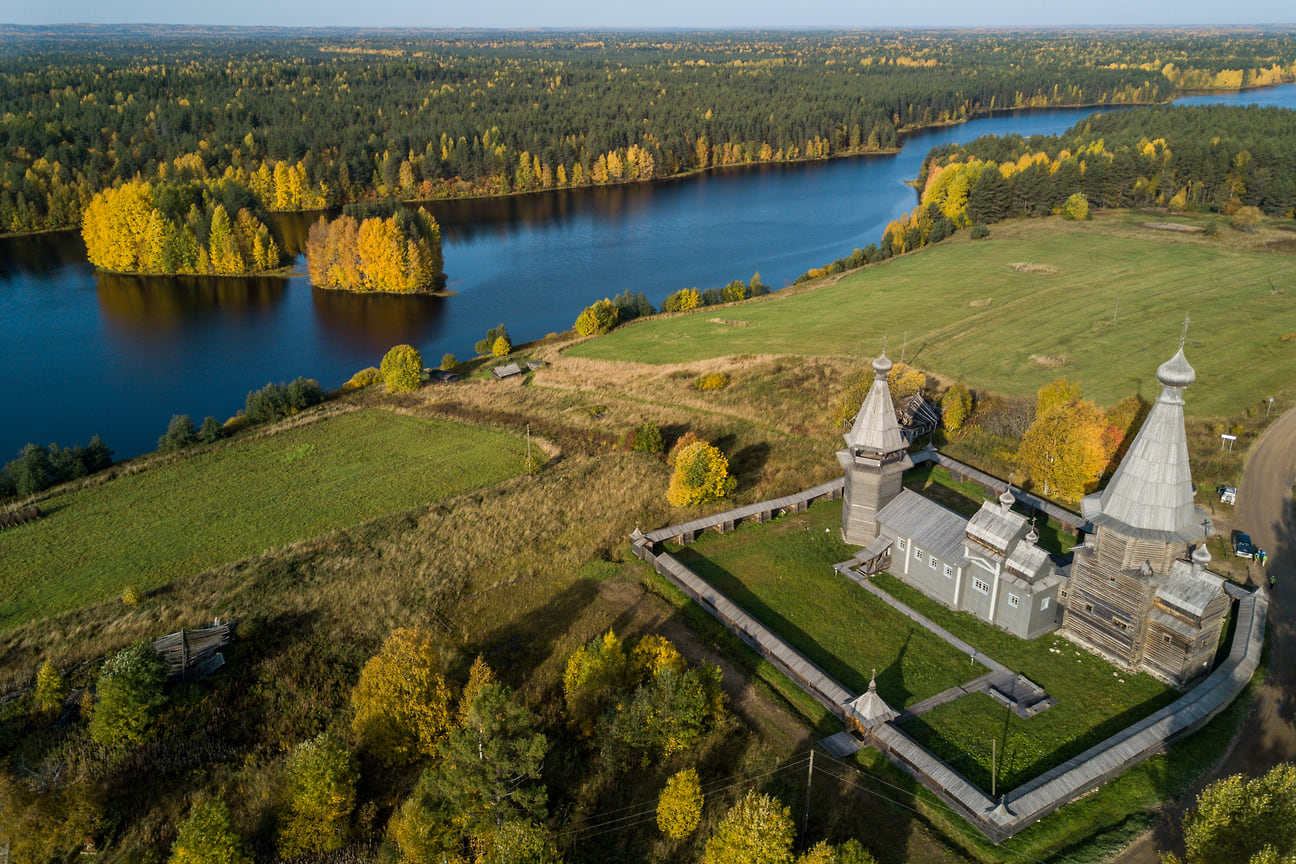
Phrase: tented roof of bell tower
[876,429]
[1151,494]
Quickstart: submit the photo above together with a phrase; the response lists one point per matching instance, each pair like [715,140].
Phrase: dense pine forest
[318,118]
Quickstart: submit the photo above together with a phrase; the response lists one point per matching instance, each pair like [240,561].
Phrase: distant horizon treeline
[307,123]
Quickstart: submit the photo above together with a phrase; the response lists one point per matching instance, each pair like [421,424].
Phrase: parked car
[1242,547]
[1227,494]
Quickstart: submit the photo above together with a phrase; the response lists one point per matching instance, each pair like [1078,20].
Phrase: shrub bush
[682,300]
[701,475]
[180,434]
[208,837]
[646,438]
[210,432]
[130,695]
[486,345]
[275,401]
[712,381]
[1076,208]
[364,378]
[679,809]
[402,369]
[979,232]
[318,796]
[51,691]
[449,362]
[684,441]
[596,319]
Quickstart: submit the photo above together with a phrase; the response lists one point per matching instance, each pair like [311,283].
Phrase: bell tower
[875,460]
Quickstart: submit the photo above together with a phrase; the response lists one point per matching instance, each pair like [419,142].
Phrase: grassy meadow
[231,501]
[781,572]
[1038,299]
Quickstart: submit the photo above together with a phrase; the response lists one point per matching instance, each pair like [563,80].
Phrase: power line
[644,808]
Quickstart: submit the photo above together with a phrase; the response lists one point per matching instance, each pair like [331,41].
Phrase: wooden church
[1132,592]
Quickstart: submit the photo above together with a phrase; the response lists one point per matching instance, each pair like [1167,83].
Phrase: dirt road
[1268,736]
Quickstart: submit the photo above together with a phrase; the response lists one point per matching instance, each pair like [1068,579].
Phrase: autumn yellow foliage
[701,475]
[126,233]
[400,254]
[402,701]
[679,809]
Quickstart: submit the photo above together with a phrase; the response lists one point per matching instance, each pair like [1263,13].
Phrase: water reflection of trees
[375,322]
[160,300]
[40,253]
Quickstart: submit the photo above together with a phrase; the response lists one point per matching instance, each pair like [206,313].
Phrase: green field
[1095,700]
[963,310]
[146,529]
[781,573]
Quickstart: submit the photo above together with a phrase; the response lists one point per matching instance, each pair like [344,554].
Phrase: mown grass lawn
[1095,700]
[233,501]
[967,313]
[781,572]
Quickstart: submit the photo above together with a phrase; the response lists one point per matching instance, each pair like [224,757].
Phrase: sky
[656,14]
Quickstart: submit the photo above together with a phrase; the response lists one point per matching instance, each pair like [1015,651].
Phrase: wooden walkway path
[762,511]
[937,630]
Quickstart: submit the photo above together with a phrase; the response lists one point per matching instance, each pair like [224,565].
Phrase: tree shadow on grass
[516,649]
[749,463]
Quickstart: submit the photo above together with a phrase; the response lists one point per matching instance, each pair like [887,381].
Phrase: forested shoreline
[310,120]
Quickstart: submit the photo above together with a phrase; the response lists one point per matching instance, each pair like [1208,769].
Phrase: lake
[87,354]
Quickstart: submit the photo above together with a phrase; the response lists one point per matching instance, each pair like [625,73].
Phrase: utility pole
[994,768]
[805,818]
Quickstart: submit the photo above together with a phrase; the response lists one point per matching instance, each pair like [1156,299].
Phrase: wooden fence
[194,653]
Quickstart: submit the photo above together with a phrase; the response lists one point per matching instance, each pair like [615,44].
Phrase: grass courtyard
[781,572]
[146,529]
[1102,303]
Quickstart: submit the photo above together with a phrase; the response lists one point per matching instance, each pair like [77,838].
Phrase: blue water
[86,354]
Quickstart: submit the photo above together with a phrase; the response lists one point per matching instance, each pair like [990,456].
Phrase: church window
[980,586]
[901,543]
[932,562]
[949,572]
[918,554]
[1012,600]
[1166,637]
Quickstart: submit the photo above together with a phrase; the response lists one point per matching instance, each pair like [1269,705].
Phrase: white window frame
[980,586]
[901,543]
[1012,600]
[918,554]
[932,562]
[949,571]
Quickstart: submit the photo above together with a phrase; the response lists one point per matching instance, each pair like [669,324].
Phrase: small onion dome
[1007,499]
[1201,555]
[1176,372]
[1032,535]
[882,365]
